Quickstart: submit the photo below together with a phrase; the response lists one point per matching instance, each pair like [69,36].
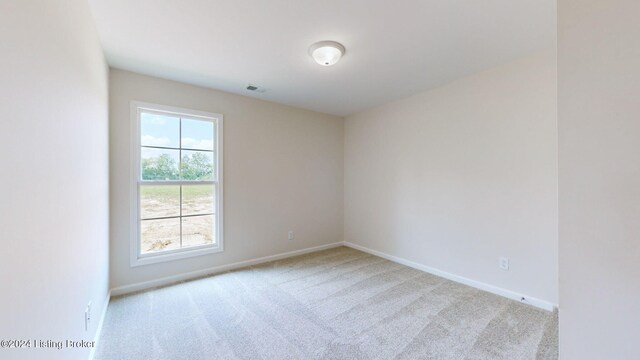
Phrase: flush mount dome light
[326,53]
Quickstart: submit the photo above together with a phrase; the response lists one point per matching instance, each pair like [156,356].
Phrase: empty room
[340,179]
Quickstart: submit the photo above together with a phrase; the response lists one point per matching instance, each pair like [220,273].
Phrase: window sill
[156,258]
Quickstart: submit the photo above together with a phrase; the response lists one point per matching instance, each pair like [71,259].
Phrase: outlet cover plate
[504,263]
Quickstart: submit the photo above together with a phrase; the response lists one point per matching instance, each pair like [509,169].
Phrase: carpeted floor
[335,304]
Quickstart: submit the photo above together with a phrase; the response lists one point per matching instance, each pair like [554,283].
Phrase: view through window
[178,182]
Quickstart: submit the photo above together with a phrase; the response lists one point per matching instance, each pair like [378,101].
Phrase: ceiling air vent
[255,88]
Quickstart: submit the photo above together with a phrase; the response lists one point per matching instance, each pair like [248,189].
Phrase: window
[176,183]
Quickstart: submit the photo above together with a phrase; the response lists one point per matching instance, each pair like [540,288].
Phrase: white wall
[599,148]
[456,177]
[283,170]
[54,160]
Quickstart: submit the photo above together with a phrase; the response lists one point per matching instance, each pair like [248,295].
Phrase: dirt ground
[165,201]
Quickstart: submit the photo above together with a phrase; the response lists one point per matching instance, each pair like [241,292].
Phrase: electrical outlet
[87,316]
[291,235]
[504,263]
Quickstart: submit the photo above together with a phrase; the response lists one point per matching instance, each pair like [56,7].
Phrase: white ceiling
[394,48]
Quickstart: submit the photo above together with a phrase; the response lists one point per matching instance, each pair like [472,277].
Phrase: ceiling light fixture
[326,53]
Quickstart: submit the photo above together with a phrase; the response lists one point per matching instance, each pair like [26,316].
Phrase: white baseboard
[126,289]
[542,304]
[100,324]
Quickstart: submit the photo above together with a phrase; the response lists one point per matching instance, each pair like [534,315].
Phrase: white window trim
[137,259]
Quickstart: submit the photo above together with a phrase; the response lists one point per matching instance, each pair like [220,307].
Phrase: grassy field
[165,201]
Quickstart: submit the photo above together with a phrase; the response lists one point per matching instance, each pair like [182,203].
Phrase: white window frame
[137,258]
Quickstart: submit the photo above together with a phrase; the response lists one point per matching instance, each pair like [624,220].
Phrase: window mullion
[178,182]
[180,216]
[180,176]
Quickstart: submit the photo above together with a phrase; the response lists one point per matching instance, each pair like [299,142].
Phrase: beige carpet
[334,304]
